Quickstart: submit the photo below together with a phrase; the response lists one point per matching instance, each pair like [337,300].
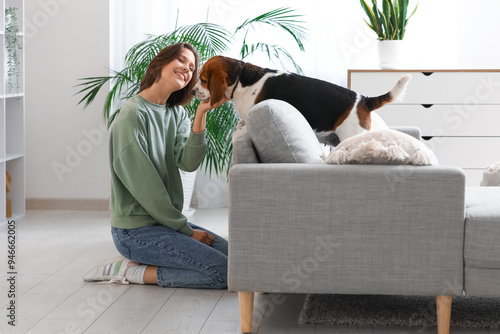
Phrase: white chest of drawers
[458,112]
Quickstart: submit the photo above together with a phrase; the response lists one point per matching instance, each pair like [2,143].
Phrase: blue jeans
[182,261]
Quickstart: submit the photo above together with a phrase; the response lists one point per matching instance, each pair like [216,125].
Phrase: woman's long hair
[164,57]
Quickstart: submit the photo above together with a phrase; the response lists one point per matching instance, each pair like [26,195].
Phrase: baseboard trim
[67,204]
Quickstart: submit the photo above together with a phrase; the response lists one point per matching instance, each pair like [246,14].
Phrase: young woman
[150,140]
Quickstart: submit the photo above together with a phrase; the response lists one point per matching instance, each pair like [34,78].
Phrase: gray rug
[405,311]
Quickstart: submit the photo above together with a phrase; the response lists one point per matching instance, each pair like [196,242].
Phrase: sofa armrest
[367,229]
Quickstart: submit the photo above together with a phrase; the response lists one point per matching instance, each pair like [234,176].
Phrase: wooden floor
[55,248]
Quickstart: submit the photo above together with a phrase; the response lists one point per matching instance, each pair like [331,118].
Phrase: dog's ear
[217,85]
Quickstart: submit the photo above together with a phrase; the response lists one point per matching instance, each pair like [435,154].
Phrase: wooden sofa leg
[443,311]
[246,311]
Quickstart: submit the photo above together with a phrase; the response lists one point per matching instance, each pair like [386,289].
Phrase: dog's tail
[396,93]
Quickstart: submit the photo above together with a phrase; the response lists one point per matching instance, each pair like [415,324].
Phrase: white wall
[66,147]
[478,32]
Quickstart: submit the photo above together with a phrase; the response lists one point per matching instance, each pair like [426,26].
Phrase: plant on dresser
[390,26]
[458,112]
[390,22]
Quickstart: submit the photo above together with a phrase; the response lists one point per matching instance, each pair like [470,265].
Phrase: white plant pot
[188,182]
[212,191]
[391,54]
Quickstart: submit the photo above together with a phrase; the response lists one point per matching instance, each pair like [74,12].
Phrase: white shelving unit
[12,112]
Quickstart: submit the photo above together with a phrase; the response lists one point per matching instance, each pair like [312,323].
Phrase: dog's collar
[237,81]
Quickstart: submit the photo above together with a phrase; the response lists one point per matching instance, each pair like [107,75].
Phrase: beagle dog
[331,110]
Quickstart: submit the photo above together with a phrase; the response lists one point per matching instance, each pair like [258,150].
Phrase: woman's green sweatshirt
[148,144]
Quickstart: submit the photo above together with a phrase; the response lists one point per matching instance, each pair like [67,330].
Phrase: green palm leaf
[91,87]
[283,18]
[209,39]
[279,56]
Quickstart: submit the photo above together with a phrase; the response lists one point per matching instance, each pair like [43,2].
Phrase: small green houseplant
[390,26]
[13,47]
[390,22]
[210,40]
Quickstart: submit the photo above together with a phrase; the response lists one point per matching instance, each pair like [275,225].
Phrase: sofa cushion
[243,148]
[281,134]
[482,228]
[384,146]
[491,176]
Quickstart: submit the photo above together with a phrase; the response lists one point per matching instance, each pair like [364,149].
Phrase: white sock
[135,274]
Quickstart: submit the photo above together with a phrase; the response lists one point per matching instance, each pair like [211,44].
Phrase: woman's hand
[200,118]
[203,237]
[206,106]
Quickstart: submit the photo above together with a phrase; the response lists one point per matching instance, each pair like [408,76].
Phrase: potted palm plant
[390,26]
[210,40]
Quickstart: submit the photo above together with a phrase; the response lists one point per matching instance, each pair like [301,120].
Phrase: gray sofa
[351,229]
[482,242]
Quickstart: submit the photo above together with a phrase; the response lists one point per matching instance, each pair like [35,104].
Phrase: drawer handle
[427,106]
[427,137]
[427,73]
